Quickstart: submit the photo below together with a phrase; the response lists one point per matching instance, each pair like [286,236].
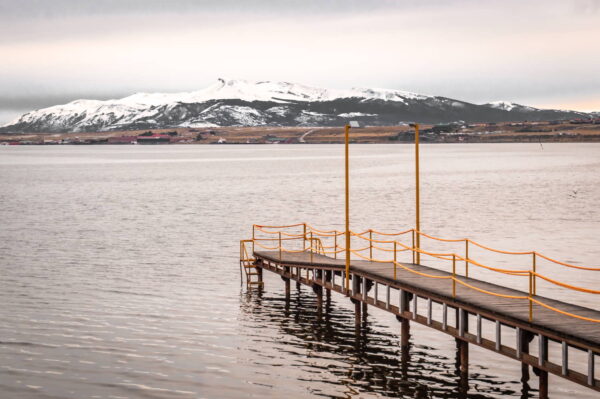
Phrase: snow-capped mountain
[245,103]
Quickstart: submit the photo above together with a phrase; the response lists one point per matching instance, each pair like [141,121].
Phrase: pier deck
[417,296]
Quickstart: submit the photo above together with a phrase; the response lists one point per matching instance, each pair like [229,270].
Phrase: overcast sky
[540,53]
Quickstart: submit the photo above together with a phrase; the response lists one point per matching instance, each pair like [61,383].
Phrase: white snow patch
[354,114]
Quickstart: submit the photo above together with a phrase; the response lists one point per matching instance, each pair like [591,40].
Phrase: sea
[120,278]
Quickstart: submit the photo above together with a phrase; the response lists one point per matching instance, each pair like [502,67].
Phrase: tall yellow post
[347,168]
[466,257]
[534,271]
[304,235]
[417,193]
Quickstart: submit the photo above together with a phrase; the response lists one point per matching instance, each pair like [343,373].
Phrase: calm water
[119,265]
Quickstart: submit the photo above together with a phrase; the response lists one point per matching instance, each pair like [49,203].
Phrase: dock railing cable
[312,242]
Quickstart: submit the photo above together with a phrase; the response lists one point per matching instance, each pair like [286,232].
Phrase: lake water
[120,275]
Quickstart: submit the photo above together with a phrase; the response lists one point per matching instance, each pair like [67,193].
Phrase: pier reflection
[364,360]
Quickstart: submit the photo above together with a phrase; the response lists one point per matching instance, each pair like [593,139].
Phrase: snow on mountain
[249,103]
[509,106]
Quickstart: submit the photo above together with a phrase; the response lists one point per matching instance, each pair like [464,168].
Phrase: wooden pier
[460,306]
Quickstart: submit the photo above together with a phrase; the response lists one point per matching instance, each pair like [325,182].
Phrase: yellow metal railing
[312,242]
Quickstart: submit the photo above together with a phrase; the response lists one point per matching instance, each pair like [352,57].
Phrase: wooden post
[259,270]
[286,280]
[405,331]
[542,358]
[405,322]
[328,279]
[357,303]
[318,290]
[463,346]
[525,339]
[543,384]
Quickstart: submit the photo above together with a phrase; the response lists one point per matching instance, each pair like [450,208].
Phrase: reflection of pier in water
[472,311]
[374,360]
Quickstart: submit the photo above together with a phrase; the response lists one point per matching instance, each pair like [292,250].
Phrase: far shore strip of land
[507,132]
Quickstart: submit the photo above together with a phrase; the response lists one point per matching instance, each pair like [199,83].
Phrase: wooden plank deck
[576,331]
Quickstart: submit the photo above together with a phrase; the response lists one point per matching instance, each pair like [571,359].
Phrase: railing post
[335,244]
[253,239]
[418,254]
[530,292]
[413,246]
[370,244]
[304,236]
[534,271]
[466,257]
[394,260]
[280,246]
[453,276]
[311,247]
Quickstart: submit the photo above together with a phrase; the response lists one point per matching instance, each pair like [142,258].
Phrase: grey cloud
[10,9]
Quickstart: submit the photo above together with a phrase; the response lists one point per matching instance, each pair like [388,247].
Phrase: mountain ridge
[248,103]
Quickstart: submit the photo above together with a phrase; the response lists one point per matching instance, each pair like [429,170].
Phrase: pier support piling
[318,290]
[286,280]
[328,279]
[404,332]
[543,384]
[462,349]
[357,312]
[357,304]
[524,340]
[259,270]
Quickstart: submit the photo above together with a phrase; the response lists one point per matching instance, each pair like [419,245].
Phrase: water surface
[119,265]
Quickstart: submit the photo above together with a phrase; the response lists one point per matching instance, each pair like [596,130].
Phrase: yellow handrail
[314,236]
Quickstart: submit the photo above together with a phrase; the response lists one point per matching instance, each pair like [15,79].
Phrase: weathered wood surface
[585,333]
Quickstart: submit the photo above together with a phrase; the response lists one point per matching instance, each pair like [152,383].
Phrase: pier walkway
[540,332]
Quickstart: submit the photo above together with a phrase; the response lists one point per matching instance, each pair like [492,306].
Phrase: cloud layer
[542,53]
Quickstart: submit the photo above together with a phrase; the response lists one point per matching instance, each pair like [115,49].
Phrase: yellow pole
[466,257]
[453,276]
[530,301]
[304,244]
[347,168]
[370,244]
[311,247]
[335,245]
[413,246]
[534,271]
[280,246]
[252,240]
[394,260]
[417,193]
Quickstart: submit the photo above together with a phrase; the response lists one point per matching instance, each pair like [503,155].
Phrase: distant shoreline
[515,132]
